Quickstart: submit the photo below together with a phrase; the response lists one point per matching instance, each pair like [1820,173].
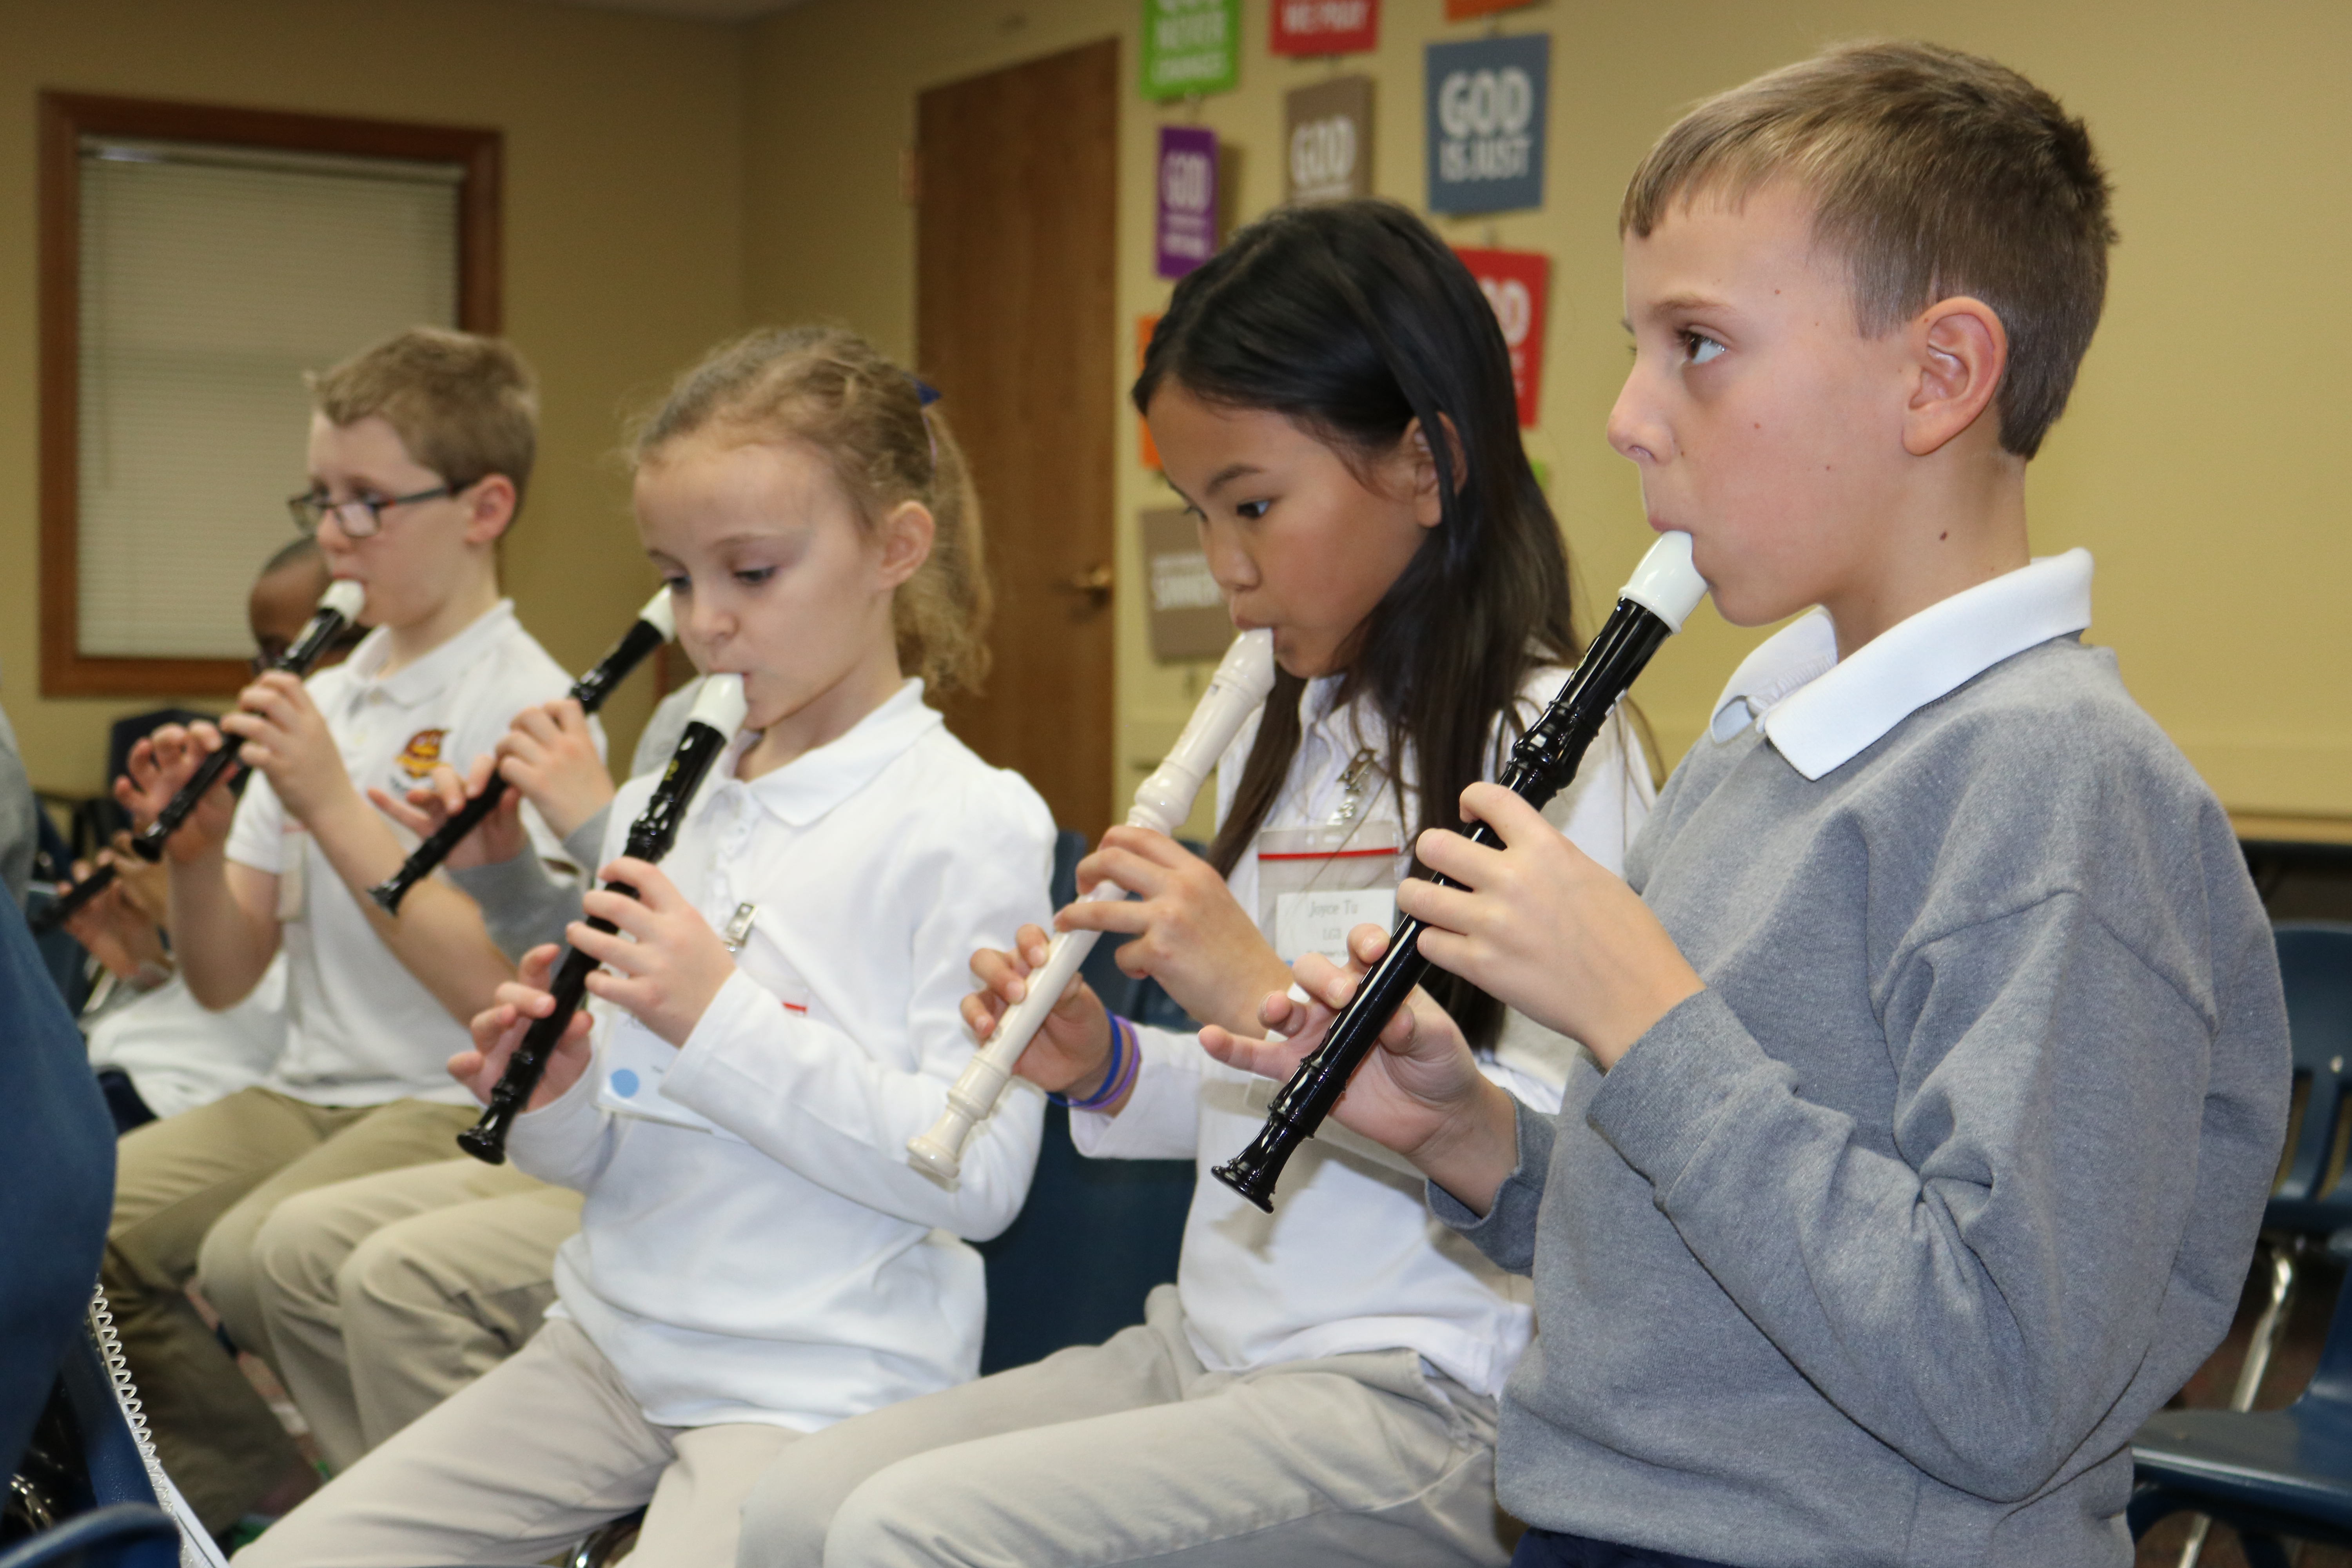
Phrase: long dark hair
[1354,320]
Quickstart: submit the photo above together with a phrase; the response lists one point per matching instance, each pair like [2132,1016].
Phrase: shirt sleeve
[1161,1118]
[257,833]
[567,1142]
[1506,1233]
[524,904]
[810,1097]
[1976,1295]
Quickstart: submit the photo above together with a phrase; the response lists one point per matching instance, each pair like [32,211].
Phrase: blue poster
[1486,123]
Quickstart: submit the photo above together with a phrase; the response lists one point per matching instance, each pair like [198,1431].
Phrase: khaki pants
[189,1193]
[1131,1452]
[384,1295]
[513,1468]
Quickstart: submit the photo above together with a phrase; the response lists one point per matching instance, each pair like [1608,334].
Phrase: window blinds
[211,279]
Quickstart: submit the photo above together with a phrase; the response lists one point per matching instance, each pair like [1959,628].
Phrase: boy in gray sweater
[1938,1063]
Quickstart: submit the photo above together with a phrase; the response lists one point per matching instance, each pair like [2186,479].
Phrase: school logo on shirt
[424,749]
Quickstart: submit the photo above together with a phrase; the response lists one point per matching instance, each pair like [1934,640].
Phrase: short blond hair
[1934,174]
[831,388]
[465,407]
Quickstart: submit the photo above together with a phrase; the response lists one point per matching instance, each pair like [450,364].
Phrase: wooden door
[1016,192]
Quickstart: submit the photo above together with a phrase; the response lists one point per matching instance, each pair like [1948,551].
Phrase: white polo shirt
[179,1055]
[791,1269]
[360,1030]
[1350,1259]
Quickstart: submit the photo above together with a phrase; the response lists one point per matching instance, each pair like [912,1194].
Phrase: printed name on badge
[1319,922]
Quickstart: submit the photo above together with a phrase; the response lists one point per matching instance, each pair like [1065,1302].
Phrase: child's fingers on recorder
[1274,1058]
[1004,975]
[1137,859]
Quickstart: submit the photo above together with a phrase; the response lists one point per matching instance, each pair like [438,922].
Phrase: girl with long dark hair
[1332,396]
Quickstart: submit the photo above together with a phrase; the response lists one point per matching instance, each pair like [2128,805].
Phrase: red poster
[1515,283]
[1143,325]
[1463,10]
[1328,27]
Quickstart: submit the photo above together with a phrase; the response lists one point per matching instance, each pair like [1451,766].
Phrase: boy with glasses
[419,451]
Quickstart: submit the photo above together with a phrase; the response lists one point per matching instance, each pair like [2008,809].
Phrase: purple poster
[1188,197]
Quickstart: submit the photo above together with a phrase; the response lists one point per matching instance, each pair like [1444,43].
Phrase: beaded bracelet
[1126,1057]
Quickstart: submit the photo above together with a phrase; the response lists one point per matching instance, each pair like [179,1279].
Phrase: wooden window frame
[65,119]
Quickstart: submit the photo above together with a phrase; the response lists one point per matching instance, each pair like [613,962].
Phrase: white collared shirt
[179,1055]
[360,1030]
[1819,713]
[794,1269]
[1351,1259]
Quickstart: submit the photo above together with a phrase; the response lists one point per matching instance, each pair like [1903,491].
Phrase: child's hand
[114,926]
[666,965]
[1407,1092]
[1420,1093]
[497,840]
[1540,925]
[146,888]
[1071,1050]
[1190,935]
[158,765]
[286,738]
[499,1028]
[550,755]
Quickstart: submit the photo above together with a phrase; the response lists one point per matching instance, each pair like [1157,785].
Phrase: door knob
[1093,583]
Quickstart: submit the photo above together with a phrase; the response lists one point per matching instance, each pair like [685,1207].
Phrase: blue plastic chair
[1096,1235]
[2312,1199]
[120,1535]
[2265,1474]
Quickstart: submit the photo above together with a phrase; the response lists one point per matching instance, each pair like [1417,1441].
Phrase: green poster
[1191,46]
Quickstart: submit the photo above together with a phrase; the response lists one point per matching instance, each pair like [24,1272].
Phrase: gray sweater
[1878,1249]
[523,902]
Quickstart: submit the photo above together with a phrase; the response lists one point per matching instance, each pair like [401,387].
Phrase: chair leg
[2267,1329]
[2259,1347]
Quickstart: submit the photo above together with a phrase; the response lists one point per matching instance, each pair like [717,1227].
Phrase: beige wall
[623,252]
[2203,461]
[669,180]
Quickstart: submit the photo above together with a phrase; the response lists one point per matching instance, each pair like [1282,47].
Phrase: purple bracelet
[1126,1057]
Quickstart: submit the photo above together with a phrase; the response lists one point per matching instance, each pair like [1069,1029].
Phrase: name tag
[1319,921]
[633,1065]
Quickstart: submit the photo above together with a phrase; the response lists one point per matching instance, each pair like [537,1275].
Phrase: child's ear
[490,509]
[906,537]
[1960,350]
[1428,506]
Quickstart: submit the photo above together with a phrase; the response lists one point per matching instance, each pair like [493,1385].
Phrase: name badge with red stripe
[1317,884]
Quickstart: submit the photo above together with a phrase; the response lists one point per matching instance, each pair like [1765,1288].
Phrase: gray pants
[386,1294]
[1132,1452]
[522,1462]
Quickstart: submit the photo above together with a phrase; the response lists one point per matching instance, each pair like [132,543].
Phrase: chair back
[1096,1235]
[2316,968]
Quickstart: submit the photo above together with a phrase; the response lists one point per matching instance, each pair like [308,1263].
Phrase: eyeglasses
[360,518]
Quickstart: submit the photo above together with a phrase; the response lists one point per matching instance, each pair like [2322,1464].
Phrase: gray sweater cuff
[1658,1104]
[522,905]
[1506,1233]
[585,843]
